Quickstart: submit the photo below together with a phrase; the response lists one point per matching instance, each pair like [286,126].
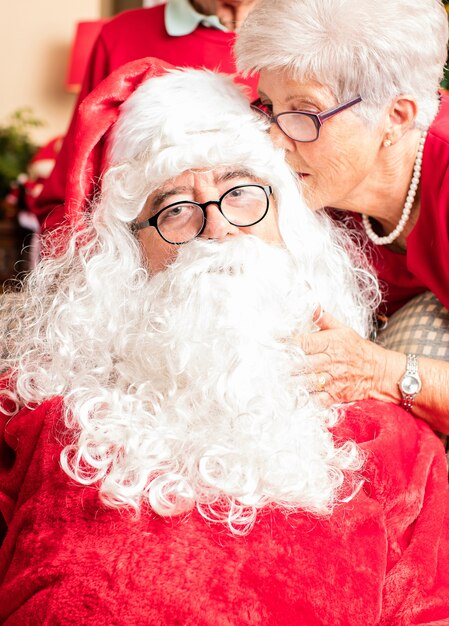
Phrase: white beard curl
[218,414]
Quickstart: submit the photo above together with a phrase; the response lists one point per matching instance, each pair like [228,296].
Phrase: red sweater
[132,35]
[380,559]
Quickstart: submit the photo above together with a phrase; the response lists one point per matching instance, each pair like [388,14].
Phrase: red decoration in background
[40,168]
[85,36]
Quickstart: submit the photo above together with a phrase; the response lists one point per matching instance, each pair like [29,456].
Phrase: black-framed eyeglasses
[301,125]
[180,222]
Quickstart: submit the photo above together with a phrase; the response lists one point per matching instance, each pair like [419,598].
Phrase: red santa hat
[95,117]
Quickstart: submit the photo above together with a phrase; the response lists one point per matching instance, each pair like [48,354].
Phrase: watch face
[410,384]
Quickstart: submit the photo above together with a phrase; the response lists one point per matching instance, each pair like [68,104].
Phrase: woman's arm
[354,368]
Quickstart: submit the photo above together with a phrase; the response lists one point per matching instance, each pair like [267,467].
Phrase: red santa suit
[381,558]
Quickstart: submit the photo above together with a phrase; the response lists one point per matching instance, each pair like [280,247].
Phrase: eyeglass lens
[241,206]
[298,126]
[180,223]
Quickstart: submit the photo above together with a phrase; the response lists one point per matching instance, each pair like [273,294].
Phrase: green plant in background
[445,81]
[16,147]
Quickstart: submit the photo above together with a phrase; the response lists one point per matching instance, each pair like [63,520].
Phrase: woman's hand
[348,367]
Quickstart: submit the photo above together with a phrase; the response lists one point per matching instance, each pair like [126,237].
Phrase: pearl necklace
[383,241]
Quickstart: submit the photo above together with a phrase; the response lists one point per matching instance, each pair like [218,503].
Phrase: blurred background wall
[35,41]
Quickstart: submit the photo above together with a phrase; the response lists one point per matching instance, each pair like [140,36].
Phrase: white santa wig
[86,328]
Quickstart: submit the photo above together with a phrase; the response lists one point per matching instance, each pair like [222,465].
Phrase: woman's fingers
[326,321]
[342,358]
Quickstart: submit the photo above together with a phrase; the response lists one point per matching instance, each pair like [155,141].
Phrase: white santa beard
[226,302]
[224,423]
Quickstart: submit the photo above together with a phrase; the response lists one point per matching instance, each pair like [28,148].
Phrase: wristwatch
[410,384]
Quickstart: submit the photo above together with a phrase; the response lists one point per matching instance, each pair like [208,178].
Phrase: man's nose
[217,226]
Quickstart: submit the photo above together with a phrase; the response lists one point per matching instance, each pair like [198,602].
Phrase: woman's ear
[401,117]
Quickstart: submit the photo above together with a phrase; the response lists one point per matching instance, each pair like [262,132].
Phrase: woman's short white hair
[378,50]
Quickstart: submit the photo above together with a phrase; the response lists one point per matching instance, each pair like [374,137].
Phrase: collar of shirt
[182,19]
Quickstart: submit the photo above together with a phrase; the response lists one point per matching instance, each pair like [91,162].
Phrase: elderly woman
[351,88]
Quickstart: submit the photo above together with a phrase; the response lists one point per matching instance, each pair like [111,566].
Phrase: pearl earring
[387,143]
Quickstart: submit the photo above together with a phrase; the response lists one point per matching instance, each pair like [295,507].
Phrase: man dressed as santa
[168,456]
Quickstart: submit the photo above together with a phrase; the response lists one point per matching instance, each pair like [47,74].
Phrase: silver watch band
[410,383]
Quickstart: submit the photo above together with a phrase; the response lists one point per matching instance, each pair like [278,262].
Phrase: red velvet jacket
[129,36]
[380,559]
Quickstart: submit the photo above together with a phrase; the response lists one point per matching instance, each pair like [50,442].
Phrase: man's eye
[175,211]
[243,196]
[236,193]
[178,212]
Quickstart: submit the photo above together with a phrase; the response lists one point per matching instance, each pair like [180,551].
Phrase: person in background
[350,90]
[197,33]
[165,457]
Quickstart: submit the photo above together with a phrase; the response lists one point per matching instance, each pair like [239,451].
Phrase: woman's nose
[280,139]
[217,226]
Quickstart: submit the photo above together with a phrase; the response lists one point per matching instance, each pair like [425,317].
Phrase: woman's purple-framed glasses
[301,125]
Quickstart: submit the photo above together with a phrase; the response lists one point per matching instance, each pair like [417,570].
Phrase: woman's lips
[302,175]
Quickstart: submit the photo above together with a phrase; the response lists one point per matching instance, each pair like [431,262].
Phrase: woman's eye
[305,107]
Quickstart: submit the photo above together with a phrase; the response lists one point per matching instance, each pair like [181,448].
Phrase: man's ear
[400,117]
